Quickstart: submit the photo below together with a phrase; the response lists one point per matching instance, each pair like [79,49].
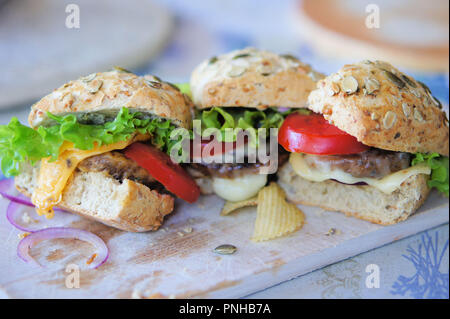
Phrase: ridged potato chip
[230,207]
[275,217]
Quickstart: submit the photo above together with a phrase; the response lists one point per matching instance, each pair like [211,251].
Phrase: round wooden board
[412,34]
[38,53]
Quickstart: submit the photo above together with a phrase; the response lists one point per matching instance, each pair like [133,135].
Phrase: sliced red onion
[12,213]
[283,109]
[7,190]
[23,249]
[15,213]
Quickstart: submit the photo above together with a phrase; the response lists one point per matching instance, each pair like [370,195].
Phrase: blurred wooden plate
[413,34]
[38,53]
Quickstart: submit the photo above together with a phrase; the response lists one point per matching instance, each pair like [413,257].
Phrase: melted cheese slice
[387,184]
[54,175]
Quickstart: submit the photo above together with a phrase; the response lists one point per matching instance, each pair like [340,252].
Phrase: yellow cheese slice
[387,184]
[54,175]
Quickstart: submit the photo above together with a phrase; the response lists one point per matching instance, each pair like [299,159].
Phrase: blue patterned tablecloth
[415,267]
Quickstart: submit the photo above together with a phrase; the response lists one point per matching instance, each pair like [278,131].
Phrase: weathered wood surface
[174,262]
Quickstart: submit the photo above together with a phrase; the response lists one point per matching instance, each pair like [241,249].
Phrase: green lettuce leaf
[20,143]
[439,170]
[241,118]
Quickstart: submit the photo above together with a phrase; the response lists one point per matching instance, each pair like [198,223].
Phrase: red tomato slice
[174,178]
[312,134]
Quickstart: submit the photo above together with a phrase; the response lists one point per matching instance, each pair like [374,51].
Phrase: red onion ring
[283,109]
[6,187]
[11,216]
[37,236]
[31,240]
[6,190]
[14,213]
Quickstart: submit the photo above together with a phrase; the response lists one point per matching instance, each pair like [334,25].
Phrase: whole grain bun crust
[382,107]
[108,92]
[252,78]
[126,205]
[363,201]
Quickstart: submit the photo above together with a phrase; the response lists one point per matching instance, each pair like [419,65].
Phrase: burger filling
[373,163]
[232,170]
[322,152]
[92,142]
[239,179]
[116,165]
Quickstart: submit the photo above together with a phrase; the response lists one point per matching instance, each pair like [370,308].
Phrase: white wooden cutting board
[175,263]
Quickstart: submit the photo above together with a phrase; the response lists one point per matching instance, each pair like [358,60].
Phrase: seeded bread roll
[383,107]
[364,202]
[106,93]
[252,78]
[125,205]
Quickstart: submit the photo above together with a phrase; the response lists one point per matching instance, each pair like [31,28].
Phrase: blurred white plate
[38,53]
[412,33]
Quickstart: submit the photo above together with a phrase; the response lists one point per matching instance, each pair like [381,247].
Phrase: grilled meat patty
[231,170]
[118,166]
[374,163]
[225,170]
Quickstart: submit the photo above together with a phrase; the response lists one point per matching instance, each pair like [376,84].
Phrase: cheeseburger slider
[245,89]
[374,146]
[97,147]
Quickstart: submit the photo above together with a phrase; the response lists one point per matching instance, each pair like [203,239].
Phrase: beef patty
[231,170]
[374,163]
[118,166]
